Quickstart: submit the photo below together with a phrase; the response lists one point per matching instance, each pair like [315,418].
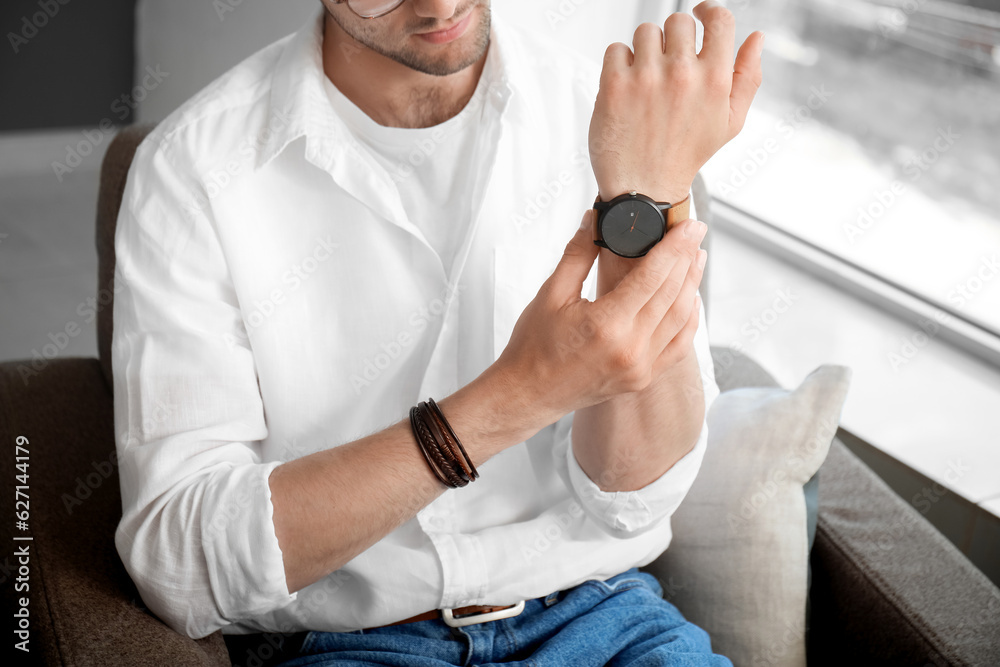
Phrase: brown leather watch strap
[678,212]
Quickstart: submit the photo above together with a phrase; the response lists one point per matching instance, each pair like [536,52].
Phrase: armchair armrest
[888,587]
[84,608]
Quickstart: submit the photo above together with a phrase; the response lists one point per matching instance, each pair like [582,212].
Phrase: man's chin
[452,57]
[440,66]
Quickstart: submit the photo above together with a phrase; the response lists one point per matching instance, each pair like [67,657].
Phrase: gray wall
[65,65]
[197,42]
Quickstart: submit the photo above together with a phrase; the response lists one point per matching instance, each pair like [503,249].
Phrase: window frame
[908,305]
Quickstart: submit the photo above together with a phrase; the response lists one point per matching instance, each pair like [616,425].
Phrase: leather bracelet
[449,451]
[440,457]
[419,432]
[430,438]
[442,449]
[431,451]
[471,469]
[461,467]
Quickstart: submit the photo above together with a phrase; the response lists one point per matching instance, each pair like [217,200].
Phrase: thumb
[581,251]
[747,78]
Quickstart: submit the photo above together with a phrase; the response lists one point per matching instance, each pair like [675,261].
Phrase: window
[876,137]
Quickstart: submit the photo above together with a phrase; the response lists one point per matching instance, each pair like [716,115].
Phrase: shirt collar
[299,106]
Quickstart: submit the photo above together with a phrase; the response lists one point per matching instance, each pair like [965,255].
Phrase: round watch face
[632,227]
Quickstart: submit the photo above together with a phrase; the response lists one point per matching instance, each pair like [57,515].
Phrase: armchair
[920,603]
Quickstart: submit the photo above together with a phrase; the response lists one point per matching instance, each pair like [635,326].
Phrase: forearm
[334,504]
[630,440]
[661,112]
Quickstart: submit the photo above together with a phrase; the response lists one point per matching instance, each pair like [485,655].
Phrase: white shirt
[434,168]
[277,298]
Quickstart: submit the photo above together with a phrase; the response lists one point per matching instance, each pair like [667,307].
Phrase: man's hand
[567,353]
[663,111]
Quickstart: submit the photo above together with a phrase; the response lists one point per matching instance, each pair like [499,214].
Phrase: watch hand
[635,216]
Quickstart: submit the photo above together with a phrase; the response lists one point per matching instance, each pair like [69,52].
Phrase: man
[369,213]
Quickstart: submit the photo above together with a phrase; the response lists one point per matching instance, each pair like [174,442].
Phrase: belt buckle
[449,618]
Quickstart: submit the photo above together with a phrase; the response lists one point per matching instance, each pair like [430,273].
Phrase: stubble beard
[368,35]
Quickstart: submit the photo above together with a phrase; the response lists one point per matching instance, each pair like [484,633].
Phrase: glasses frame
[375,16]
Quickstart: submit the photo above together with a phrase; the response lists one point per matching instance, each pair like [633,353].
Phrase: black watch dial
[631,227]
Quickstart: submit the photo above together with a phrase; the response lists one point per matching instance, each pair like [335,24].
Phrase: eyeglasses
[370,9]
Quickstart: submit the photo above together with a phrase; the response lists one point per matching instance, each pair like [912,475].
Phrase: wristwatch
[630,224]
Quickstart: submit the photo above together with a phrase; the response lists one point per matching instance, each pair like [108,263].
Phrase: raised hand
[664,110]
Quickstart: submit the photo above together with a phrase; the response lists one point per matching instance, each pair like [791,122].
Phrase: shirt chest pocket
[518,274]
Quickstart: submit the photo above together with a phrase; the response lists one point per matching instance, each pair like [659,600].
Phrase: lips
[448,34]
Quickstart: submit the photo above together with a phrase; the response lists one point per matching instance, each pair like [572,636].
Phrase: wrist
[670,193]
[492,413]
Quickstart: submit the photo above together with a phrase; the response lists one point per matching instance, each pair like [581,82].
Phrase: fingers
[678,311]
[566,281]
[720,33]
[648,43]
[682,283]
[747,77]
[652,313]
[642,282]
[678,36]
[617,59]
[681,342]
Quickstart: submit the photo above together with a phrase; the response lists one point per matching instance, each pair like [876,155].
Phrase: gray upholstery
[924,601]
[85,610]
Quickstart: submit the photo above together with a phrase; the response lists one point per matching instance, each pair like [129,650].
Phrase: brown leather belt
[459,616]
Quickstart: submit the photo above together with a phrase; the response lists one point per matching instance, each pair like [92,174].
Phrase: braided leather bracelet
[440,446]
[431,450]
[453,441]
[448,451]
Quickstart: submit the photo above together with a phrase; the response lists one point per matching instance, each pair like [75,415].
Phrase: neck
[402,97]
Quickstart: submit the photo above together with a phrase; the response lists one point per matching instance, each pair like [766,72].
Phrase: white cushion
[737,565]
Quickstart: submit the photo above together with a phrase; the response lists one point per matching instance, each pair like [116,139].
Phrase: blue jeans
[623,621]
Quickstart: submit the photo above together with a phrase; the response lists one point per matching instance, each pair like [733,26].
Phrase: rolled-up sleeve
[196,534]
[624,514]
